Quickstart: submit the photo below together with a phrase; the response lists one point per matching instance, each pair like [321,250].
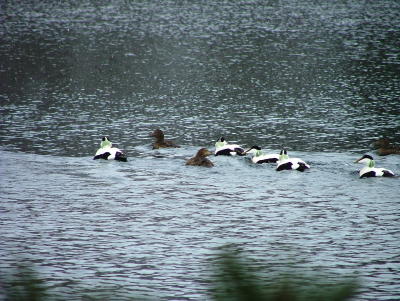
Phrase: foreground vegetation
[238,280]
[234,279]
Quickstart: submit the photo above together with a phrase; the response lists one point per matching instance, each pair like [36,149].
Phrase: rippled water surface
[322,79]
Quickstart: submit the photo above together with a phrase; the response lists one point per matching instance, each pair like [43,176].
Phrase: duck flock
[222,148]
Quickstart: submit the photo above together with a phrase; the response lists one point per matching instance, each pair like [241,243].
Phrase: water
[319,79]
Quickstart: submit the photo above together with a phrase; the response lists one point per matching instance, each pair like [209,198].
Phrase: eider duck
[200,158]
[370,170]
[108,152]
[222,148]
[384,147]
[286,163]
[160,141]
[259,157]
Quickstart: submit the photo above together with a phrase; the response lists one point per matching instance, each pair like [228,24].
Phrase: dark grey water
[322,79]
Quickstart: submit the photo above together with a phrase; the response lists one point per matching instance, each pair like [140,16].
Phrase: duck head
[367,159]
[203,152]
[255,150]
[283,155]
[158,134]
[221,142]
[105,142]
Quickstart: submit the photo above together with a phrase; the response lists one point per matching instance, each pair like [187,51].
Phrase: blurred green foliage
[238,280]
[234,278]
[25,285]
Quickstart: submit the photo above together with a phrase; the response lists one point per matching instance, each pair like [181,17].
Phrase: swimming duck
[222,148]
[160,141]
[108,152]
[290,163]
[259,157]
[200,158]
[370,170]
[384,147]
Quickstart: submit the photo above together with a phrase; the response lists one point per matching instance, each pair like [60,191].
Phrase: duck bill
[358,160]
[246,151]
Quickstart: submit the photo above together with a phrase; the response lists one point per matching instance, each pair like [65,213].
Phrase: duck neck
[258,153]
[219,144]
[371,164]
[105,143]
[283,157]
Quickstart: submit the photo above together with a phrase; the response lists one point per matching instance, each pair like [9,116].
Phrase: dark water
[322,79]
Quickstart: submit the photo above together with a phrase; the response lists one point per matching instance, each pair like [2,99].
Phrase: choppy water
[320,79]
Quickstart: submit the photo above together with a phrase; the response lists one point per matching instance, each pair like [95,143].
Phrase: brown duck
[384,147]
[160,141]
[200,158]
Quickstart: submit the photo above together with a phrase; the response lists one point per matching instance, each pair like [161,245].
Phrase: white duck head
[221,142]
[368,160]
[255,150]
[105,142]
